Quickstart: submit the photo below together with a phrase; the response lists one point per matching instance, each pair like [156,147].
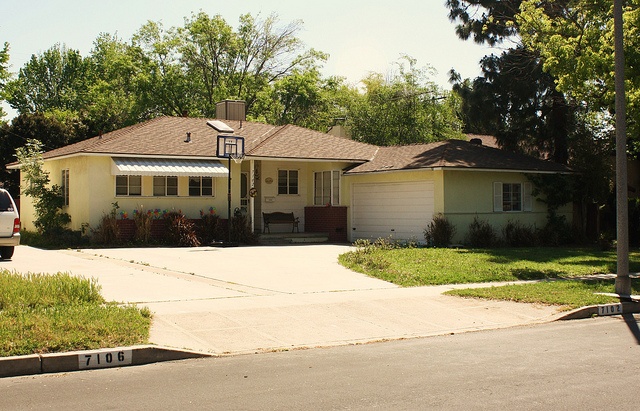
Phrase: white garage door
[399,210]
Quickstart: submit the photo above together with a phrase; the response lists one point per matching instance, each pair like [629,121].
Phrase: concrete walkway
[252,299]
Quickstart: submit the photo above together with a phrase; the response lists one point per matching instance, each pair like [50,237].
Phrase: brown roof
[297,142]
[165,136]
[489,141]
[453,154]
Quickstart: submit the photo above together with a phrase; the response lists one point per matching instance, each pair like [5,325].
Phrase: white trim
[526,199]
[497,197]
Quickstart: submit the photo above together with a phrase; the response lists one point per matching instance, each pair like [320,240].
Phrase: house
[335,185]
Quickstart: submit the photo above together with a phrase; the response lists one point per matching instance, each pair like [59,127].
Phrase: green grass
[409,267]
[42,313]
[568,294]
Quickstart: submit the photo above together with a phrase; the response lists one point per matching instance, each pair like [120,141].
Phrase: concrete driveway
[251,299]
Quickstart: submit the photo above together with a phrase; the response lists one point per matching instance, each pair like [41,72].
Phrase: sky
[360,36]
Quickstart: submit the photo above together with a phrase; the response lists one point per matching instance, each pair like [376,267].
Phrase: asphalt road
[581,364]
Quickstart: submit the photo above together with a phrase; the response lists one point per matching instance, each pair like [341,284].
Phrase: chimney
[188,140]
[231,110]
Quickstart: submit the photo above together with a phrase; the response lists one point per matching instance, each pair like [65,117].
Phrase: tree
[5,75]
[403,108]
[304,98]
[47,201]
[191,68]
[517,102]
[529,114]
[166,87]
[58,78]
[47,129]
[113,96]
[576,43]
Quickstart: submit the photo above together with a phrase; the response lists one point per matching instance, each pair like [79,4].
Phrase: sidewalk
[252,299]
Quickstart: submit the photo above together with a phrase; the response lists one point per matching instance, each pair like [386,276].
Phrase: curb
[92,359]
[601,310]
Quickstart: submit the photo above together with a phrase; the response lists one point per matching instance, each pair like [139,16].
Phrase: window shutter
[527,201]
[497,196]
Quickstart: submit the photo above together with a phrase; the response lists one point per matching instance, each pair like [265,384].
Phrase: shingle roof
[453,154]
[165,137]
[297,142]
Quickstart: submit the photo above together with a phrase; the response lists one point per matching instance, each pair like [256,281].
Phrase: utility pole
[623,282]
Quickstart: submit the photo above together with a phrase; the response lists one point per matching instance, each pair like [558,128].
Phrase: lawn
[42,313]
[409,267]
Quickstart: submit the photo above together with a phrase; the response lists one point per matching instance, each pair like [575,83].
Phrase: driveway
[251,299]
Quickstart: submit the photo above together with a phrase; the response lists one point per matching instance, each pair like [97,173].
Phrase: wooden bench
[279,218]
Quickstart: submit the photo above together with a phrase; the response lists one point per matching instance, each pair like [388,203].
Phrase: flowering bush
[212,211]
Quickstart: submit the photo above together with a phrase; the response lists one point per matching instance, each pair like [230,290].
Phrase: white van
[9,225]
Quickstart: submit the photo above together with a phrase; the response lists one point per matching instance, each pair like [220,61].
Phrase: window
[287,181]
[200,186]
[326,188]
[128,185]
[165,186]
[65,186]
[512,197]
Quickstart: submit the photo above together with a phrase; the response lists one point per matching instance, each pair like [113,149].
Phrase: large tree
[163,71]
[529,114]
[304,98]
[205,61]
[5,75]
[58,78]
[47,129]
[403,107]
[114,94]
[576,44]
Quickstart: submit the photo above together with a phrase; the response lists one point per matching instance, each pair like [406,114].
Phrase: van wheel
[6,252]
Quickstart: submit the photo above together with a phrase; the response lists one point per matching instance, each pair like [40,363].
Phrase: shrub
[481,234]
[210,229]
[241,230]
[48,202]
[57,240]
[107,231]
[366,256]
[439,232]
[517,234]
[142,220]
[556,232]
[181,231]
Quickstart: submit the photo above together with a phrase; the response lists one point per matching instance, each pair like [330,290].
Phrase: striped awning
[167,167]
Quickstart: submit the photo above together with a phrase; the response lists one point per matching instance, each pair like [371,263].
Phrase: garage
[398,210]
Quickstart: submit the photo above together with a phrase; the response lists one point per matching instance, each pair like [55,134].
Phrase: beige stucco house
[335,185]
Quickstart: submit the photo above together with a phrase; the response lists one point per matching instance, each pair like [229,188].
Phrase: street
[581,364]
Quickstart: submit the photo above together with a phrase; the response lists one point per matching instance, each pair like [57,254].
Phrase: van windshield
[5,202]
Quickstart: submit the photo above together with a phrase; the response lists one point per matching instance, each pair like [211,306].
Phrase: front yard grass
[409,267]
[42,313]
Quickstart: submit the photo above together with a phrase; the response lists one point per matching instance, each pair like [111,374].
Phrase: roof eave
[445,168]
[306,159]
